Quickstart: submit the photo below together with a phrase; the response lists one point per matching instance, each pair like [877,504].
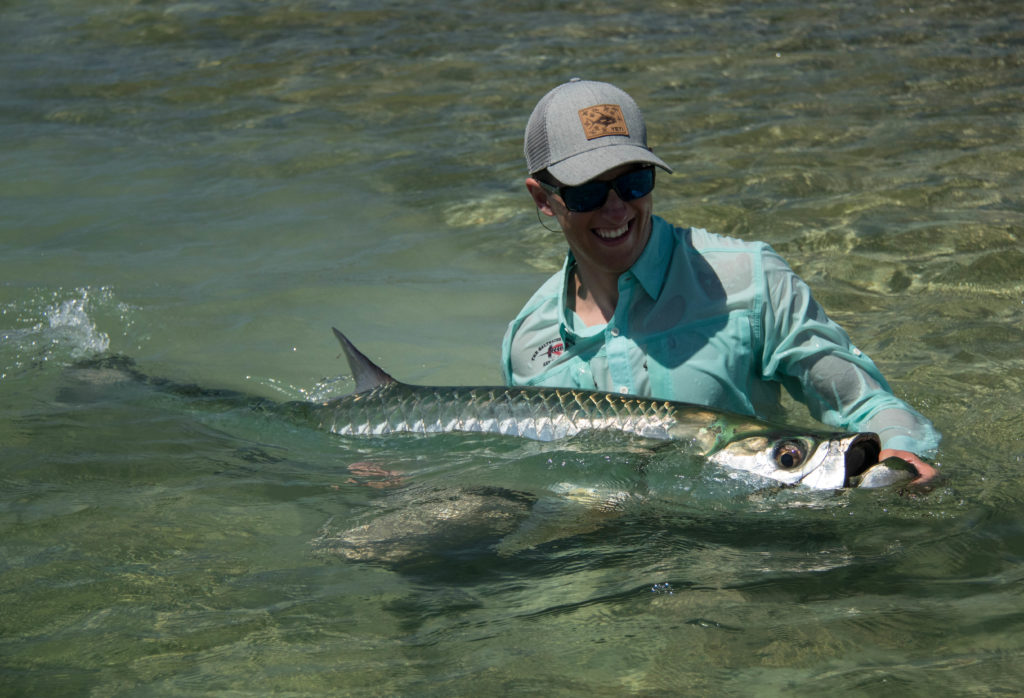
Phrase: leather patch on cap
[603,120]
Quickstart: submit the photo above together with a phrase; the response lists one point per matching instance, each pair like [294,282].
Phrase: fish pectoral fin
[575,511]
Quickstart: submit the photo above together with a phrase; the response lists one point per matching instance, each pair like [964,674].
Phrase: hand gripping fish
[381,405]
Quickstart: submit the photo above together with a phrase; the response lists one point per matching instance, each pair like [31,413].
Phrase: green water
[207,187]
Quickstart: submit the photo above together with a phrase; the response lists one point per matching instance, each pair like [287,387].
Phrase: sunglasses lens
[635,184]
[593,194]
[585,197]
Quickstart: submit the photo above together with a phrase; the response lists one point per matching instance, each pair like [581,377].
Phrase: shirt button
[623,389]
[614,331]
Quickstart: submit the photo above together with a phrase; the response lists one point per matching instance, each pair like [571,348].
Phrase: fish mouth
[861,453]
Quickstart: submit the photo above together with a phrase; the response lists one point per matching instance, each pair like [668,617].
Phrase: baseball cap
[583,128]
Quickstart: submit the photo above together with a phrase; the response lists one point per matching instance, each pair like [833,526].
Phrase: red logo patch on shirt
[548,351]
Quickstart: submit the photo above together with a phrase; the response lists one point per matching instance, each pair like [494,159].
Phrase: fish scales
[538,413]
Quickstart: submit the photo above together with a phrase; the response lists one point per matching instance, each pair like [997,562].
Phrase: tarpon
[424,519]
[382,405]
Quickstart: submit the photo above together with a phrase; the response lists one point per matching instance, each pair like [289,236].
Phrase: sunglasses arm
[541,196]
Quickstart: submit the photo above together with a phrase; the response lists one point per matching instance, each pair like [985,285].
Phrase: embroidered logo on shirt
[603,120]
[548,351]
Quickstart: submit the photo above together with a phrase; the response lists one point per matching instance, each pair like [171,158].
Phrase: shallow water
[208,187]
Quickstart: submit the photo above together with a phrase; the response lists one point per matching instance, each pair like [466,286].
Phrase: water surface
[208,187]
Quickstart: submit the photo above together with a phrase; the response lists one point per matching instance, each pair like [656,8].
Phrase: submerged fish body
[381,405]
[425,521]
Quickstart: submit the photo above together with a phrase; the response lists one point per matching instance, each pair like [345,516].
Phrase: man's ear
[540,196]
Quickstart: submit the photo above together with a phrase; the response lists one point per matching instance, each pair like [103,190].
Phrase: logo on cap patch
[603,120]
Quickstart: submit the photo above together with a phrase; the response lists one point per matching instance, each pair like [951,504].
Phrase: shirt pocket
[706,363]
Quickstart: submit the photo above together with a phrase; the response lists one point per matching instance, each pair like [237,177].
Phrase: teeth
[609,234]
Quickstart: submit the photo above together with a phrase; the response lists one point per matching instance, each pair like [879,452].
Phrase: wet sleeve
[814,358]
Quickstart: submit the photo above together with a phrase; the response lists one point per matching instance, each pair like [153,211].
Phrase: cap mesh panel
[538,151]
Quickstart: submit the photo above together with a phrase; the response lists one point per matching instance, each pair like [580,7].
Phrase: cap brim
[592,163]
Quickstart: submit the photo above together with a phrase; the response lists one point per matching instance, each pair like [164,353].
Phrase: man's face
[609,239]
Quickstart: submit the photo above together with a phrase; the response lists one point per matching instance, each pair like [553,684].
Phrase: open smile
[611,234]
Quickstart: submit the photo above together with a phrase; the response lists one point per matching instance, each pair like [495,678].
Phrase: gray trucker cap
[583,128]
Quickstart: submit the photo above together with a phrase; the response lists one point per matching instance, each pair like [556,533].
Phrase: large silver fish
[381,405]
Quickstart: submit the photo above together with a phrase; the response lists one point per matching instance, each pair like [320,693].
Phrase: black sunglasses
[593,194]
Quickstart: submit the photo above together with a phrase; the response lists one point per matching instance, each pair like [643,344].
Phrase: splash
[56,327]
[69,322]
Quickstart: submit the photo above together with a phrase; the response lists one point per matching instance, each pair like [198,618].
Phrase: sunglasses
[591,195]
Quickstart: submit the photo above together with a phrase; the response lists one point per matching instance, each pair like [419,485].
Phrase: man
[645,308]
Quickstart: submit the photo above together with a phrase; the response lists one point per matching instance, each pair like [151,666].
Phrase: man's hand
[925,472]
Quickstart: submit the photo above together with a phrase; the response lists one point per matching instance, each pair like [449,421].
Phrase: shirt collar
[565,320]
[650,270]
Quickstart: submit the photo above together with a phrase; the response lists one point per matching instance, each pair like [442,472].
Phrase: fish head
[818,462]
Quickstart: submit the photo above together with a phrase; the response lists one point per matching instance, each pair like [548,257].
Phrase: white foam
[57,326]
[69,321]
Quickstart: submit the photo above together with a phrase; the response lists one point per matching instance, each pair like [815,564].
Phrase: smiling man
[646,308]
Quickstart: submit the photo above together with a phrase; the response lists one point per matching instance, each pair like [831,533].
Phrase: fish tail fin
[367,374]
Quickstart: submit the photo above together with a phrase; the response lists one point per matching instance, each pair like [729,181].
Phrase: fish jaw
[891,471]
[843,457]
[818,463]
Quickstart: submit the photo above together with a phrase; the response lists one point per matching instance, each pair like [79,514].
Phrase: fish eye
[790,454]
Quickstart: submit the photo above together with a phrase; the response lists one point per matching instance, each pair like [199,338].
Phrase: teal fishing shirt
[715,321]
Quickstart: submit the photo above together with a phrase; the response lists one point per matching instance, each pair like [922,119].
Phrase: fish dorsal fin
[367,374]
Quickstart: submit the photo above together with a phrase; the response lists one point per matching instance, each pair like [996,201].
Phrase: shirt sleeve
[814,358]
[506,354]
[536,322]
